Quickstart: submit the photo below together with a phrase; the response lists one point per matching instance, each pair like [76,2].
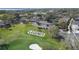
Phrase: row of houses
[42,24]
[35,21]
[8,23]
[5,24]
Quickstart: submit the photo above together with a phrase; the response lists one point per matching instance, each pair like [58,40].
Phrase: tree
[53,31]
[2,11]
[4,46]
[62,24]
[6,17]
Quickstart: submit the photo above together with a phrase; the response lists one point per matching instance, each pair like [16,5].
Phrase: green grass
[18,39]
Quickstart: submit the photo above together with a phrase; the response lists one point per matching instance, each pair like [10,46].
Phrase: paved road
[72,40]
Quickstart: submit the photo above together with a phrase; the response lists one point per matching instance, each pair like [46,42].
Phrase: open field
[18,38]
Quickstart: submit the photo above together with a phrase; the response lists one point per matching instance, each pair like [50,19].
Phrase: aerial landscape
[39,29]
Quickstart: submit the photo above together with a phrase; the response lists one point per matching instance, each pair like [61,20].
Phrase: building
[75,25]
[42,24]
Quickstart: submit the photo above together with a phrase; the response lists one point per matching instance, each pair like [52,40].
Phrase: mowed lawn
[18,38]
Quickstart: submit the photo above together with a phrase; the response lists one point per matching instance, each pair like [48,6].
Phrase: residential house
[42,24]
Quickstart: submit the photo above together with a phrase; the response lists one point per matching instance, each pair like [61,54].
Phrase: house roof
[76,18]
[76,22]
[1,23]
[44,22]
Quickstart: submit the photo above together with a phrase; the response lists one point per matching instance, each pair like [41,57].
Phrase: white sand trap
[35,47]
